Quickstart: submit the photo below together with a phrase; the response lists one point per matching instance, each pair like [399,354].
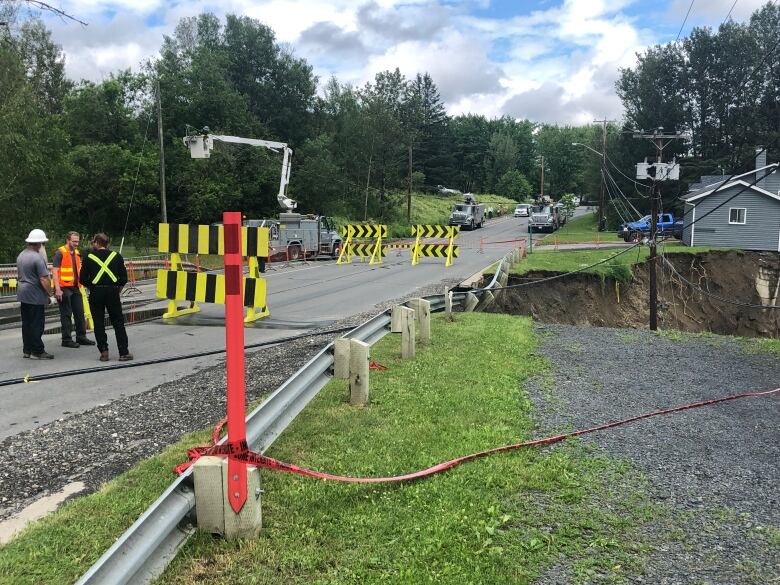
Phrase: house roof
[719,185]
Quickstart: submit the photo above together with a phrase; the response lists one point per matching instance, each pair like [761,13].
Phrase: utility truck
[544,218]
[291,235]
[468,214]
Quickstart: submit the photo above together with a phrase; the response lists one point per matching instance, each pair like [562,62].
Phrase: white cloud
[558,62]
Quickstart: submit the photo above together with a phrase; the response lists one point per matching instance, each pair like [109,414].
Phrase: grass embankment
[579,230]
[501,519]
[620,267]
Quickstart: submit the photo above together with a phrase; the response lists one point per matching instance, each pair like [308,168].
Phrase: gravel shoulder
[97,445]
[712,471]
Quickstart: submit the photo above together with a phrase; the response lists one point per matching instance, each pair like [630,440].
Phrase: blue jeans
[33,319]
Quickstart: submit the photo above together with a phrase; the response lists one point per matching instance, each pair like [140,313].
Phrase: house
[750,221]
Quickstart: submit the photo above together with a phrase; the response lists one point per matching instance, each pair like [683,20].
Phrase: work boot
[126,357]
[42,356]
[104,356]
[69,343]
[84,341]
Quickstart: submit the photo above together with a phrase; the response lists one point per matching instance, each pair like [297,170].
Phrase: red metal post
[234,346]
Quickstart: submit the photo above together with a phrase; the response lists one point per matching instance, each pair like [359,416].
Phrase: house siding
[688,229]
[761,230]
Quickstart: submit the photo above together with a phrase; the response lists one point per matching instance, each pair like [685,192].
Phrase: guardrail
[145,549]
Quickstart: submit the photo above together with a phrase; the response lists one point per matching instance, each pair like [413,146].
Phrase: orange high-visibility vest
[66,276]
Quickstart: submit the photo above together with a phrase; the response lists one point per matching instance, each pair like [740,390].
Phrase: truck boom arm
[201,145]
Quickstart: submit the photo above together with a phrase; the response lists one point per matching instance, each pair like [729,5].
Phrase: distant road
[299,299]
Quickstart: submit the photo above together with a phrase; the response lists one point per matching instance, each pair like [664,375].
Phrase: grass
[63,545]
[582,229]
[501,519]
[498,520]
[620,269]
[570,260]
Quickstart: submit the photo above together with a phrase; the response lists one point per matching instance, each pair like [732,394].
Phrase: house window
[737,215]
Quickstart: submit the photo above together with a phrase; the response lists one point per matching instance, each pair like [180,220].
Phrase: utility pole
[542,180]
[409,195]
[602,218]
[661,173]
[163,204]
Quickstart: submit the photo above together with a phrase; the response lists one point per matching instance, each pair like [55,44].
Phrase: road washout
[602,301]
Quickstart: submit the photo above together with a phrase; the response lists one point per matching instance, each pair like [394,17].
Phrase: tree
[514,185]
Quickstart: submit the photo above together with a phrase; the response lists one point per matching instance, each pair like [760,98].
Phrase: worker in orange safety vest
[66,268]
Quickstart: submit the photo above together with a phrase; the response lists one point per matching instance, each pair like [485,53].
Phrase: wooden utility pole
[163,204]
[602,218]
[409,194]
[661,141]
[542,180]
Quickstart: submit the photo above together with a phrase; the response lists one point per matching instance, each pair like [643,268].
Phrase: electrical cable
[239,450]
[555,277]
[729,14]
[627,200]
[66,373]
[745,188]
[713,295]
[684,21]
[135,181]
[614,201]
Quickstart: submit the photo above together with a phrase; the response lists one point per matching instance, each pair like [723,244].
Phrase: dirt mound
[588,299]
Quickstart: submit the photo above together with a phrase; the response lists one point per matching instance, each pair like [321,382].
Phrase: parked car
[523,210]
[667,226]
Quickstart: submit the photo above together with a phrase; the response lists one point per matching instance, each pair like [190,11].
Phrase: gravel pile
[97,445]
[715,468]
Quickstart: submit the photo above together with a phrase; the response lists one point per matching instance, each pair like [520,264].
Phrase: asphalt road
[300,299]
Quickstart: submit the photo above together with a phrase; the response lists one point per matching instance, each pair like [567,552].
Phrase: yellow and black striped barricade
[435,231]
[177,239]
[9,284]
[362,232]
[201,287]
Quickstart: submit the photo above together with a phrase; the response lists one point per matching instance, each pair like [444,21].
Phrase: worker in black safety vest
[104,274]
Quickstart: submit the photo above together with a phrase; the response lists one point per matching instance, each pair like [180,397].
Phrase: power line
[557,276]
[729,14]
[684,21]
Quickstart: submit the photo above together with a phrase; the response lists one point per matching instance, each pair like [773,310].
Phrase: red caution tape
[240,450]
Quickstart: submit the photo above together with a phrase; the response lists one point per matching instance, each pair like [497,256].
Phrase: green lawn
[580,230]
[557,261]
[500,519]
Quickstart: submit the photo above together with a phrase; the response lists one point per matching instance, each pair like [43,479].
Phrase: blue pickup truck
[668,226]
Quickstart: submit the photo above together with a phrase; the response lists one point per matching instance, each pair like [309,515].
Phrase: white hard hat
[36,237]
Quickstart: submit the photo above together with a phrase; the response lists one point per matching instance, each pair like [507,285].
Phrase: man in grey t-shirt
[33,293]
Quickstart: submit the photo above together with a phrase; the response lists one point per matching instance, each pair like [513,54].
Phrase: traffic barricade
[178,285]
[448,250]
[375,250]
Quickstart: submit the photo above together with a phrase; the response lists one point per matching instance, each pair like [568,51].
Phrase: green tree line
[84,155]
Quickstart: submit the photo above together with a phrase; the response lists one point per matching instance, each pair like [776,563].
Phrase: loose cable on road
[138,364]
[241,451]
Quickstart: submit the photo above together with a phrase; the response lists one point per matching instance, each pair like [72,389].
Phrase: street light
[586,146]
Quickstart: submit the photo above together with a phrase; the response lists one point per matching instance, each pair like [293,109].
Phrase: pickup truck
[667,226]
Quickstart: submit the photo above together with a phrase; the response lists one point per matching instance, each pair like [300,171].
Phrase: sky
[550,61]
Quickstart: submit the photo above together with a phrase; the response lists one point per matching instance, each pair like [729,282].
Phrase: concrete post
[396,319]
[407,333]
[341,358]
[448,304]
[471,302]
[487,299]
[358,372]
[214,512]
[423,314]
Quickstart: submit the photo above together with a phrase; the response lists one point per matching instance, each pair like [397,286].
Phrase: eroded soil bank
[588,299]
